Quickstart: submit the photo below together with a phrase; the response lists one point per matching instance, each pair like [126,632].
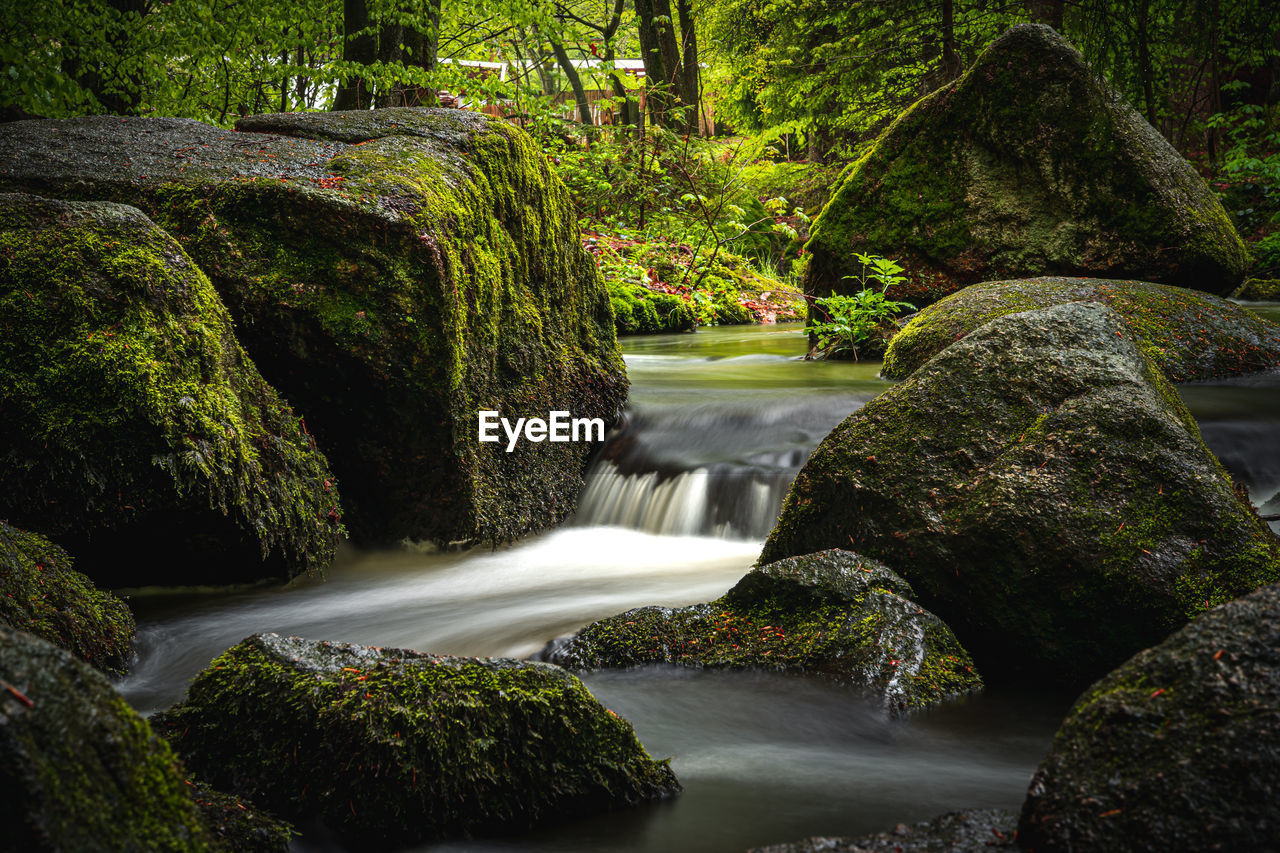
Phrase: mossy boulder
[1029,164]
[237,825]
[1044,490]
[42,593]
[1188,335]
[392,272]
[79,769]
[1259,290]
[134,429]
[391,747]
[968,831]
[1174,750]
[832,614]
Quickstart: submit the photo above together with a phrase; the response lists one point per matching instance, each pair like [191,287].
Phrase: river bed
[675,511]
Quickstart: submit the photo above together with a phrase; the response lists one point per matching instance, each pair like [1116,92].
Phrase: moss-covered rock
[969,831]
[133,427]
[79,769]
[42,593]
[832,614]
[1044,490]
[1259,290]
[237,825]
[1029,164]
[391,272]
[390,747]
[1188,335]
[1176,749]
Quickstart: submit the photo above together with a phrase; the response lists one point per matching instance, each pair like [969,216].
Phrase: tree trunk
[661,59]
[575,82]
[390,50]
[690,89]
[950,60]
[1144,60]
[358,47]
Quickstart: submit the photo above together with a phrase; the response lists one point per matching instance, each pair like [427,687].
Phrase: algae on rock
[1175,749]
[79,769]
[392,746]
[832,614]
[133,427]
[1188,335]
[1030,164]
[1043,489]
[391,272]
[42,593]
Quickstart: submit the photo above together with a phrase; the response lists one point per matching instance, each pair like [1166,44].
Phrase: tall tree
[359,47]
[661,57]
[690,79]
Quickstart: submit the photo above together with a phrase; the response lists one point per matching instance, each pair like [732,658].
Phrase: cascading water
[719,424]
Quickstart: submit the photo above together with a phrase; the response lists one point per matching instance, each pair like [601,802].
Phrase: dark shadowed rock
[1188,335]
[79,770]
[392,747]
[41,593]
[1030,164]
[969,831]
[832,614]
[391,272]
[1044,490]
[1176,749]
[134,429]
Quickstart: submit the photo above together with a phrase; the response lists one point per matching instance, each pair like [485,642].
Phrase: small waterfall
[721,468]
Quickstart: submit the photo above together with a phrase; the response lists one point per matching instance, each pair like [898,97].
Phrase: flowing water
[675,510]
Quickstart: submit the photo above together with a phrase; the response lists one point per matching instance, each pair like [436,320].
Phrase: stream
[675,510]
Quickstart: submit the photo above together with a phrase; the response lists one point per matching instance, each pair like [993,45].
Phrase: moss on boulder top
[1188,335]
[1029,164]
[41,593]
[1044,490]
[391,272]
[133,427]
[391,747]
[1174,750]
[832,614]
[79,770]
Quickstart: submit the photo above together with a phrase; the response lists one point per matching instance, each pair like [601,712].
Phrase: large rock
[1029,164]
[134,430]
[1044,490]
[971,831]
[391,272]
[391,747]
[832,614]
[1176,749]
[41,593]
[1188,335]
[79,770]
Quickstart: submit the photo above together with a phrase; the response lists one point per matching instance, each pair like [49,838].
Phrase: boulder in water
[1188,335]
[1029,164]
[79,770]
[133,427]
[1174,750]
[968,831]
[392,747]
[1044,490]
[391,272]
[42,593]
[832,614]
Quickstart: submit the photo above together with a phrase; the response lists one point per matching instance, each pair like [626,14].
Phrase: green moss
[1188,335]
[1029,164]
[393,747]
[79,769]
[1259,290]
[42,594]
[1044,490]
[831,614]
[126,404]
[237,825]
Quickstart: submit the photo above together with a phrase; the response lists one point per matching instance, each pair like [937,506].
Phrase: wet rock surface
[1174,750]
[955,832]
[832,614]
[1045,492]
[389,747]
